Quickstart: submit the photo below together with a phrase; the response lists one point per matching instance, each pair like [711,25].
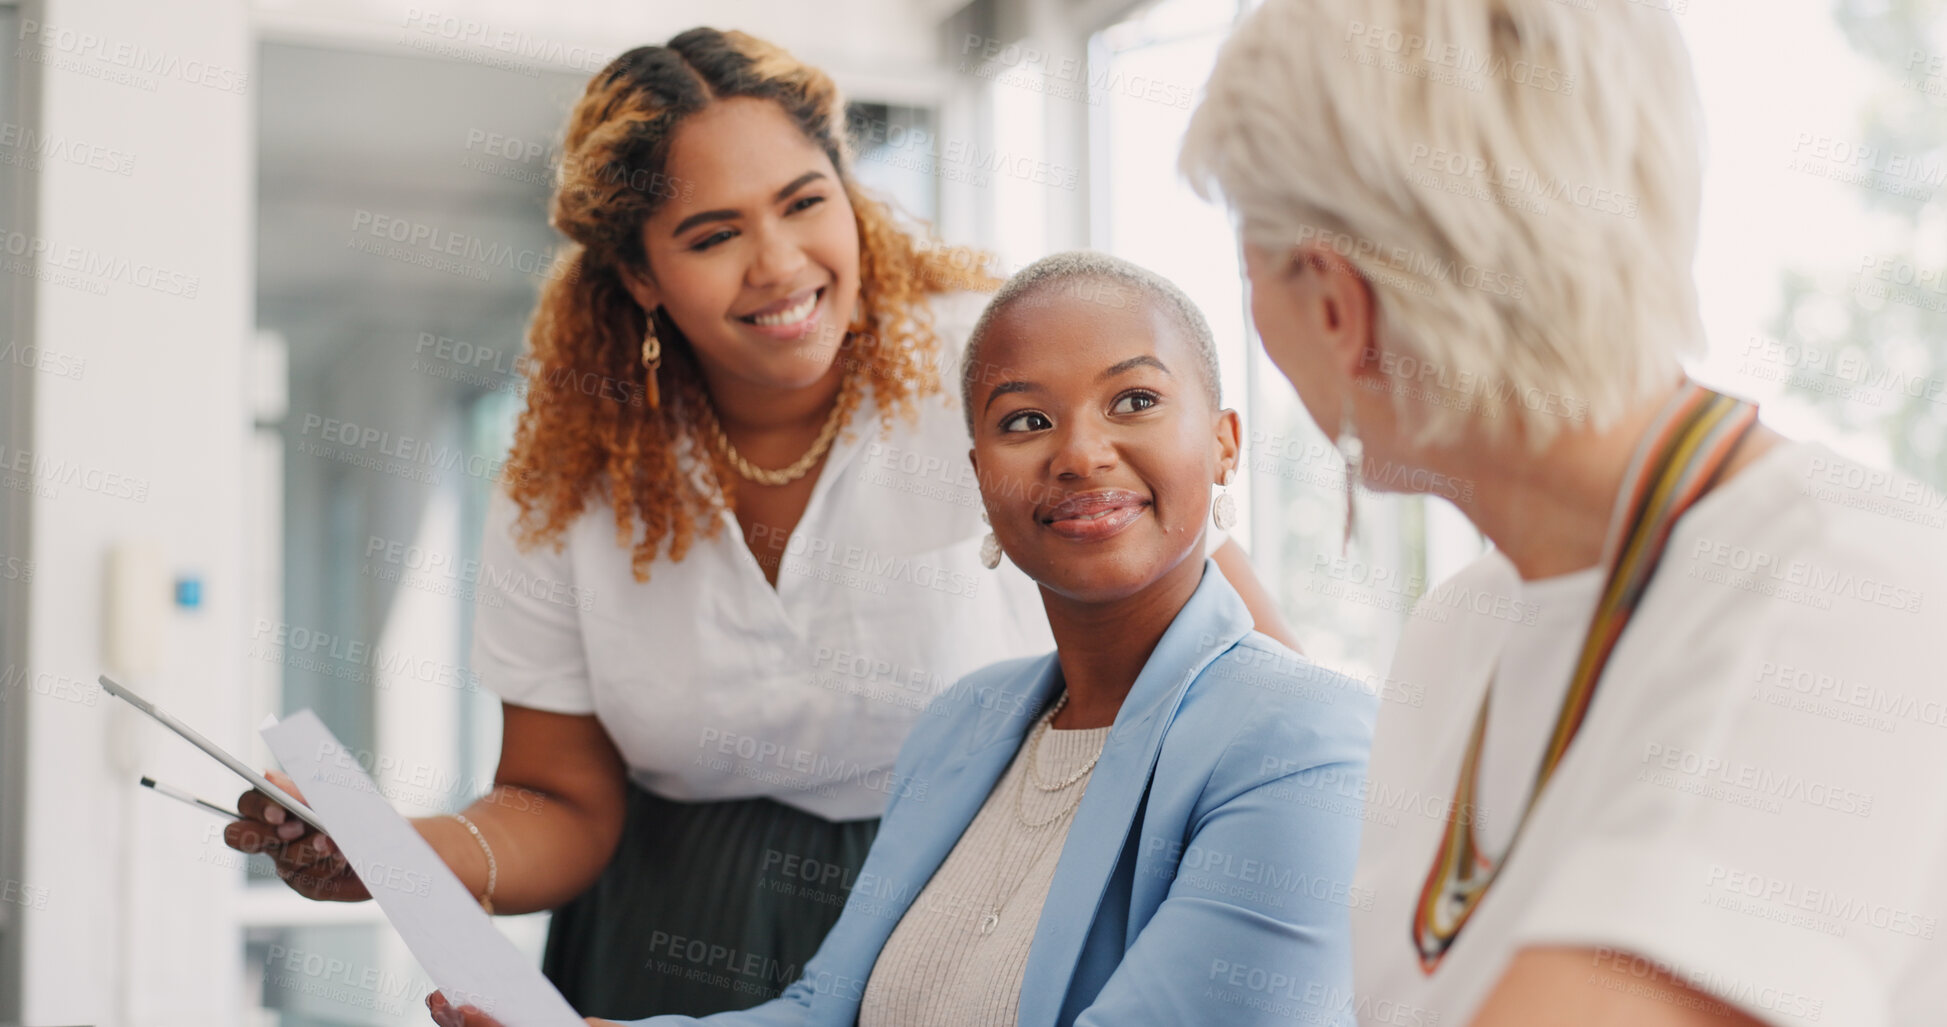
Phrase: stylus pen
[182,796]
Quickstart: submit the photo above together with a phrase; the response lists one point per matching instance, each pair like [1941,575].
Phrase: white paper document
[444,926]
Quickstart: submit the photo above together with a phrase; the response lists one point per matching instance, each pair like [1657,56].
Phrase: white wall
[132,913]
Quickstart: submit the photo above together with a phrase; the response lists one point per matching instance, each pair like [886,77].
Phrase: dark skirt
[706,907]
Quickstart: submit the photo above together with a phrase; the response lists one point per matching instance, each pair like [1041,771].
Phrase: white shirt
[1756,802]
[713,684]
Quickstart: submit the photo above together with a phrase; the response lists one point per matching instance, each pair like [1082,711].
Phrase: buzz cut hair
[1090,276]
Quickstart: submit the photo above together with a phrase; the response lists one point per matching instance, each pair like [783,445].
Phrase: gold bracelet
[493,868]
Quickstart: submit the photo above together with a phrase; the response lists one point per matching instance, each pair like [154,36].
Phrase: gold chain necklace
[786,475]
[1003,892]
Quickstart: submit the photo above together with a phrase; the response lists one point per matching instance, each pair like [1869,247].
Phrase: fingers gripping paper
[470,961]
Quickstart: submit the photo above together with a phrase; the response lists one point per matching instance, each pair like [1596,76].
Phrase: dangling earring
[1353,452]
[990,547]
[652,355]
[1223,512]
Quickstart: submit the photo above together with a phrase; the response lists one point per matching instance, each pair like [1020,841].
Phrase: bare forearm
[1236,565]
[545,849]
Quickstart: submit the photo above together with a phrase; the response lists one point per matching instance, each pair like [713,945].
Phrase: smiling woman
[1155,824]
[766,512]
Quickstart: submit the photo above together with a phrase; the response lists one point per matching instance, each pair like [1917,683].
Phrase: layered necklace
[1679,459]
[991,917]
[798,468]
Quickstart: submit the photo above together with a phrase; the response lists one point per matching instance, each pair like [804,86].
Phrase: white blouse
[1753,802]
[713,684]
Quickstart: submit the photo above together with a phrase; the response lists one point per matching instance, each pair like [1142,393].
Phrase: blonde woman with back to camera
[1637,824]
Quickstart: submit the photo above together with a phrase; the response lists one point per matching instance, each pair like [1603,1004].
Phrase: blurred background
[246,437]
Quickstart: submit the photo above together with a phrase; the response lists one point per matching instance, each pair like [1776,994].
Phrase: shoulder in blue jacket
[1207,876]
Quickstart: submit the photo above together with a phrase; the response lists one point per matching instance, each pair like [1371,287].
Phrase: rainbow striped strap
[1678,460]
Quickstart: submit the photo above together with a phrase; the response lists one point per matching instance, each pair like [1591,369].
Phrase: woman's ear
[641,287]
[1230,443]
[1345,306]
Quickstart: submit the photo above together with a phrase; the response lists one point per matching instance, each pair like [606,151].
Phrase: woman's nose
[778,259]
[1085,451]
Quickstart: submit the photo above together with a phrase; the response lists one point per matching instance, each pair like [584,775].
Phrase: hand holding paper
[453,939]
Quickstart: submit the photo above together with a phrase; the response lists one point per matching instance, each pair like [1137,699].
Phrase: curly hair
[588,429]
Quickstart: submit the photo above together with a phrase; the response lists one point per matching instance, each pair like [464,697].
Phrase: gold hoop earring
[652,355]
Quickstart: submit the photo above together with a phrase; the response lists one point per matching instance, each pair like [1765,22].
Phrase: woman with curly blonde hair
[740,552]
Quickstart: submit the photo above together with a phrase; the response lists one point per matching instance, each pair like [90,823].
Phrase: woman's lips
[808,308]
[1094,516]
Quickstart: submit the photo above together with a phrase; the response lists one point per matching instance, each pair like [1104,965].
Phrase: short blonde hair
[1517,180]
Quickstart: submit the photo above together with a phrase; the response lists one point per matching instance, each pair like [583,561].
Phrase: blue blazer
[1207,875]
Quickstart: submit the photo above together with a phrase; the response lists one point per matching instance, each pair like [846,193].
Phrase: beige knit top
[957,957]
